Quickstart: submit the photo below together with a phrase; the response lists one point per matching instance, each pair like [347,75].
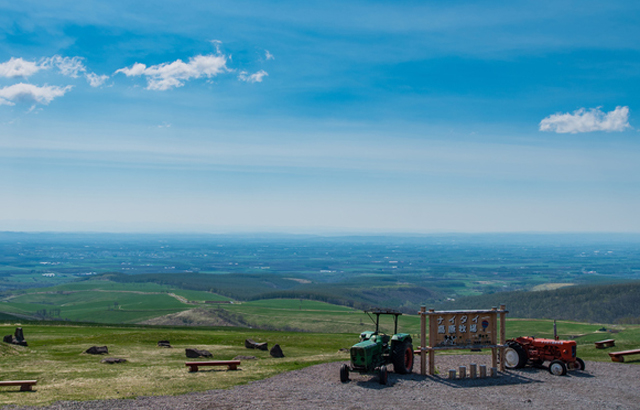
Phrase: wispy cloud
[170,75]
[96,80]
[252,78]
[31,93]
[584,120]
[68,66]
[268,55]
[18,67]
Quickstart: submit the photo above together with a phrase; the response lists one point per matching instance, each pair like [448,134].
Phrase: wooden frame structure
[461,329]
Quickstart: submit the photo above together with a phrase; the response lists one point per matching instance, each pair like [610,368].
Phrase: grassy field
[55,356]
[103,301]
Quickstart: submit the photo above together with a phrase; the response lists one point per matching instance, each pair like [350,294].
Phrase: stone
[241,357]
[19,335]
[251,344]
[164,343]
[195,353]
[276,351]
[112,360]
[8,339]
[97,350]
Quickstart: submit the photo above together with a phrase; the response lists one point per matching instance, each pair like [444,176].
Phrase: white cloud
[268,55]
[584,120]
[253,78]
[96,80]
[169,75]
[31,93]
[17,67]
[68,66]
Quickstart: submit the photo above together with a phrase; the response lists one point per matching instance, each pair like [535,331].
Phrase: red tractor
[560,353]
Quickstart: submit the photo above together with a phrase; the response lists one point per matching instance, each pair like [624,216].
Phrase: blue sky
[320,116]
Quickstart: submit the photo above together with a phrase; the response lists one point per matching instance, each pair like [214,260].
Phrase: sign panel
[463,329]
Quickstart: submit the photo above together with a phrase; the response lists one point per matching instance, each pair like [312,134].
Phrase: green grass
[55,354]
[307,315]
[55,358]
[104,301]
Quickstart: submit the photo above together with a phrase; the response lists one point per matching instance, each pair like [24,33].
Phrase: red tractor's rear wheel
[514,356]
[579,363]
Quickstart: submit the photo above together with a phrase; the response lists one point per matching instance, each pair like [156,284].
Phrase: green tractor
[377,350]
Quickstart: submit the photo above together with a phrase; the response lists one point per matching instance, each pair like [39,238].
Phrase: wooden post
[432,340]
[483,370]
[452,374]
[494,336]
[463,372]
[472,370]
[503,326]
[423,340]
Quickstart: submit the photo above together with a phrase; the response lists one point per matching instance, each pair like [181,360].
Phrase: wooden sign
[461,329]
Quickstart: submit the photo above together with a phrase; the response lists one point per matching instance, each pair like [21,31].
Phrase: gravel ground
[600,386]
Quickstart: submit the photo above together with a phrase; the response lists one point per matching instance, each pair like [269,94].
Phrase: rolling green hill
[618,303]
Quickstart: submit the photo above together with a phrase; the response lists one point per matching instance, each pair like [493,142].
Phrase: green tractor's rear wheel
[383,375]
[402,358]
[344,373]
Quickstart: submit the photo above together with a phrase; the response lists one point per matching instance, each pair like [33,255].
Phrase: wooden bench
[605,343]
[231,364]
[25,385]
[619,356]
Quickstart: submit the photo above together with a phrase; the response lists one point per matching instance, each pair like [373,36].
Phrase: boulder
[252,344]
[164,343]
[276,351]
[97,350]
[16,339]
[195,353]
[241,357]
[112,360]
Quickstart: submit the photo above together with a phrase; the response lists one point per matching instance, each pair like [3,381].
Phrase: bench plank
[231,364]
[619,356]
[25,385]
[605,343]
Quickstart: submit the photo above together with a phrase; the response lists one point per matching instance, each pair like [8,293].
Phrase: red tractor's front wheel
[557,368]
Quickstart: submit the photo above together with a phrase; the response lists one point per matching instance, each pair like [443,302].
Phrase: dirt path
[600,386]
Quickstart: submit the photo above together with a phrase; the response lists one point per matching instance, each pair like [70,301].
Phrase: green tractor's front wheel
[383,375]
[344,373]
[402,358]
